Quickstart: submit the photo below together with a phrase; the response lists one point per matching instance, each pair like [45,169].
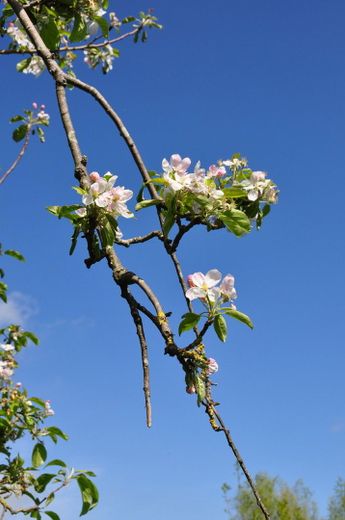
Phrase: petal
[213,294]
[213,277]
[166,166]
[194,292]
[185,163]
[175,160]
[197,279]
[253,195]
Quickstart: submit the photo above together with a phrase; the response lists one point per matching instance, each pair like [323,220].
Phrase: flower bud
[94,176]
[34,105]
[212,366]
[190,389]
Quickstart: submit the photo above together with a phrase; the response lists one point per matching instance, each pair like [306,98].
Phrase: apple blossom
[204,287]
[5,370]
[7,347]
[48,410]
[103,194]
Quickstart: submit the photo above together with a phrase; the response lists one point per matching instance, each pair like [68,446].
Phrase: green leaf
[15,254]
[266,209]
[50,33]
[220,327]
[56,462]
[234,193]
[89,493]
[42,481]
[19,133]
[15,119]
[40,133]
[38,401]
[74,239]
[147,204]
[79,31]
[53,431]
[103,24]
[169,216]
[189,321]
[200,388]
[52,515]
[239,316]
[236,221]
[32,337]
[3,290]
[39,455]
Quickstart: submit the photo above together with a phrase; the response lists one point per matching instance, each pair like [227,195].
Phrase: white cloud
[18,309]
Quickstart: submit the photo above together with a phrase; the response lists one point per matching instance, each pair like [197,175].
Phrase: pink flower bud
[94,176]
[18,385]
[43,107]
[190,389]
[212,366]
[34,105]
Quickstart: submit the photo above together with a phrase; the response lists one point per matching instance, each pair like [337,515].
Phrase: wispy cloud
[18,309]
[338,426]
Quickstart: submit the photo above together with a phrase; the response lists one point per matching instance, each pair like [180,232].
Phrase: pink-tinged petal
[175,160]
[212,366]
[213,277]
[185,164]
[197,279]
[194,292]
[258,176]
[94,176]
[227,283]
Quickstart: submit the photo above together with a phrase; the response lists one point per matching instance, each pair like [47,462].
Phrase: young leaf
[200,388]
[236,221]
[189,321]
[89,493]
[15,254]
[234,193]
[42,481]
[239,316]
[147,204]
[39,455]
[79,31]
[103,24]
[32,337]
[52,515]
[50,33]
[55,432]
[19,133]
[56,462]
[220,327]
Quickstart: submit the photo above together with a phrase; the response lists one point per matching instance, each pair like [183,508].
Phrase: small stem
[19,157]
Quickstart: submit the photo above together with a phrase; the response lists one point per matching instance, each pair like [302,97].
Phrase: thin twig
[68,48]
[19,157]
[240,461]
[144,356]
[139,240]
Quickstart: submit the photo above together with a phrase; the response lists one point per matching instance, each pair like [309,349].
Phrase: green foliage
[336,506]
[220,327]
[281,501]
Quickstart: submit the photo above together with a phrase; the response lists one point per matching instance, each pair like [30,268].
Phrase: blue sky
[265,79]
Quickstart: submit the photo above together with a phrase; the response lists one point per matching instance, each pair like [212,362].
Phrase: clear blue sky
[265,79]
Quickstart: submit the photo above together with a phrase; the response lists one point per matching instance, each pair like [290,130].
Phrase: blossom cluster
[105,56]
[33,65]
[41,117]
[103,194]
[203,287]
[208,194]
